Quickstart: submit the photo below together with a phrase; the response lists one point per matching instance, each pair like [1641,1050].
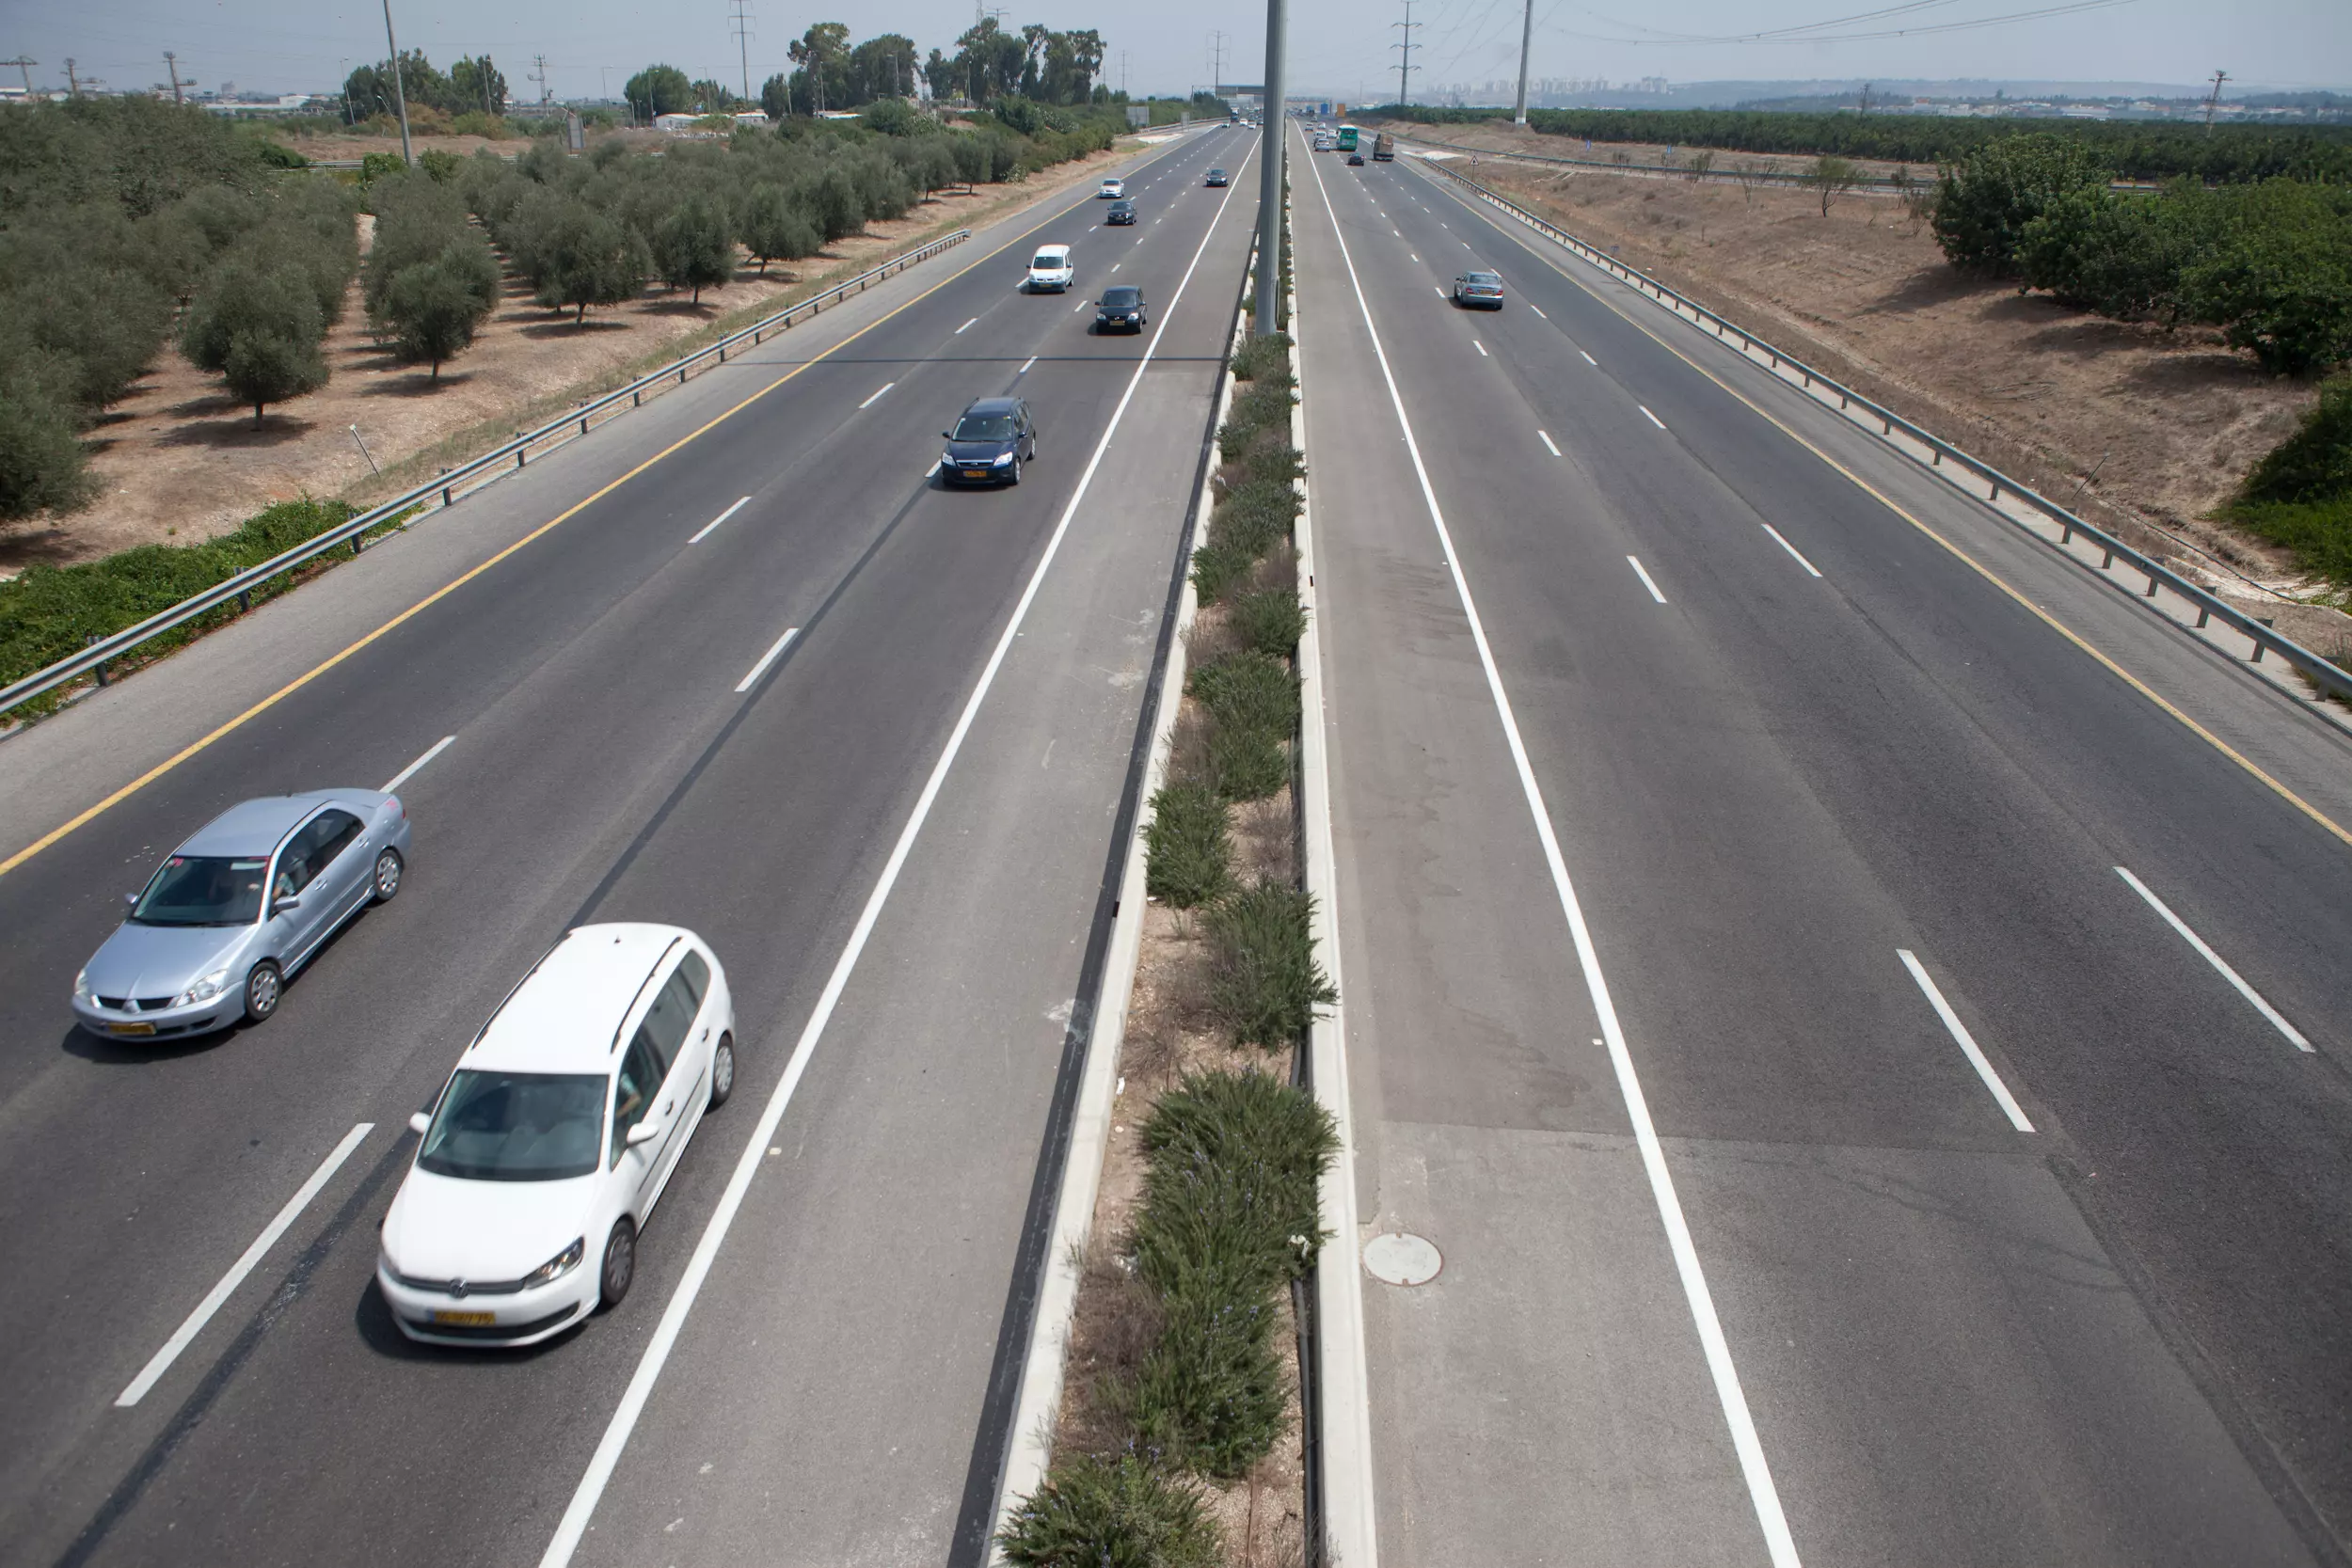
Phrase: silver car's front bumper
[197,1018]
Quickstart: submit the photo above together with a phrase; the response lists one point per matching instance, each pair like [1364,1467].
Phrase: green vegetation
[49,612]
[1186,860]
[2269,263]
[2136,150]
[1121,1512]
[2300,495]
[114,214]
[1266,986]
[431,276]
[472,89]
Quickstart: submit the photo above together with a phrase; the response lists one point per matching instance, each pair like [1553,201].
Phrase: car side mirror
[131,900]
[643,1133]
[946,434]
[291,901]
[418,1121]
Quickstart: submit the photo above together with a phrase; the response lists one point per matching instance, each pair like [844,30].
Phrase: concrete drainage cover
[1400,1258]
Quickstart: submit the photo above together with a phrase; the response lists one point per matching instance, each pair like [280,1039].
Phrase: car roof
[1053,251]
[1119,291]
[993,405]
[256,826]
[565,1014]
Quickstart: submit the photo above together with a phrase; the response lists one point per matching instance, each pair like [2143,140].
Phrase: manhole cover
[1399,1258]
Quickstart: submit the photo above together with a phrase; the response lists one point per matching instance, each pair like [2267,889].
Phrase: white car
[1113,188]
[1050,268]
[547,1148]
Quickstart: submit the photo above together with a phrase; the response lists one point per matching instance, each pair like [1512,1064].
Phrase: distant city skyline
[1339,49]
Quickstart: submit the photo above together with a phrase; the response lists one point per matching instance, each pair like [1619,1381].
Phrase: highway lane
[2119,1337]
[604,763]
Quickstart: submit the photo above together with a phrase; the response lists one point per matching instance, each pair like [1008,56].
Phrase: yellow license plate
[131,1028]
[466,1320]
[976,473]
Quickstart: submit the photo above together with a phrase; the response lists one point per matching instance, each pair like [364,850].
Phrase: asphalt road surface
[625,749]
[2089,1302]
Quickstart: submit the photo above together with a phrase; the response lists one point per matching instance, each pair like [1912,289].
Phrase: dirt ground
[2168,422]
[180,461]
[1639,157]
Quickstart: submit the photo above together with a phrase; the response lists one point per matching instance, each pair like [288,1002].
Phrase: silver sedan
[240,907]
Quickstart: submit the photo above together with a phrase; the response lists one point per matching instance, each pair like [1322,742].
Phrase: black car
[1217,177]
[1355,160]
[1121,307]
[990,443]
[1122,211]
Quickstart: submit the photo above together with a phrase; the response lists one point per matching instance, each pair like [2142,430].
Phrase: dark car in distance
[1355,160]
[1122,210]
[1217,177]
[989,443]
[1479,291]
[1121,306]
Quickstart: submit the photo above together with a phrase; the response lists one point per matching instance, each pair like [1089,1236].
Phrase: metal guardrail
[2209,606]
[93,659]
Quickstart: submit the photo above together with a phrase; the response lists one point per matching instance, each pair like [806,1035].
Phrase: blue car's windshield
[516,1126]
[203,890]
[984,427]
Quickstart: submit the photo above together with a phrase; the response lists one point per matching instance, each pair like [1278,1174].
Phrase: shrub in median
[1186,860]
[1119,1513]
[1264,984]
[1270,621]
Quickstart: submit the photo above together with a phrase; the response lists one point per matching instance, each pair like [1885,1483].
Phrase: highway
[767,679]
[1836,1156]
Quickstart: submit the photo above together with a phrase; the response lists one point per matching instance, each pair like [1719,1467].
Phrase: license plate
[976,473]
[131,1028]
[466,1320]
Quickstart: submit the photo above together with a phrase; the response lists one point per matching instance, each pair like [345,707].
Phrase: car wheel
[722,1071]
[1015,477]
[264,985]
[619,1266]
[388,870]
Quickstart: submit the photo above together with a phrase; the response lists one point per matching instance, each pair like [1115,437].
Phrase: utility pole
[1527,36]
[171,63]
[400,93]
[1217,62]
[2213,99]
[1405,62]
[73,86]
[740,23]
[1271,145]
[25,68]
[540,77]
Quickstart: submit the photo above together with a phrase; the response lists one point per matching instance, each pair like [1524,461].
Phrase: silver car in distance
[240,907]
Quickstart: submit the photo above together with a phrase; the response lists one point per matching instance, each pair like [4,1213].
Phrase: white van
[1050,268]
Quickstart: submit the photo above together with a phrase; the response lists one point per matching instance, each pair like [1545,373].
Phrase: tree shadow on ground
[570,327]
[1932,286]
[417,383]
[277,430]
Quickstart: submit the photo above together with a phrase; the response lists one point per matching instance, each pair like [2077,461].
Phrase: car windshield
[1216,174]
[1048,261]
[1121,298]
[984,427]
[516,1126]
[203,890]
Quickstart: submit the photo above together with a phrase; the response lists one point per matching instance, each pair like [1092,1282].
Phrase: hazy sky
[1336,47]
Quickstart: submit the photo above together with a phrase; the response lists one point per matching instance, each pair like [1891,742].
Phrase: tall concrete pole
[1527,35]
[399,94]
[1273,143]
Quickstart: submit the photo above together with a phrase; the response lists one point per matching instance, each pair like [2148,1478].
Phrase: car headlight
[205,988]
[557,1266]
[1000,460]
[81,988]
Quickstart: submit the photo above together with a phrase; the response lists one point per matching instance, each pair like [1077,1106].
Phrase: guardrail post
[520,458]
[445,500]
[1936,458]
[2205,613]
[2066,531]
[355,544]
[245,600]
[2151,585]
[637,399]
[92,641]
[583,424]
[1992,490]
[2106,558]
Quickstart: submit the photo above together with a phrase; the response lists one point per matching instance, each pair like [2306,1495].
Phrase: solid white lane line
[1753,1468]
[703,532]
[574,1524]
[1589,359]
[885,387]
[2276,1021]
[410,771]
[1791,550]
[1022,371]
[966,327]
[1547,435]
[194,1324]
[1958,1032]
[1643,572]
[768,658]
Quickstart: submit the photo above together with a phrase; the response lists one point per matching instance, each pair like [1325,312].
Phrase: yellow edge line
[89,814]
[1971,561]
